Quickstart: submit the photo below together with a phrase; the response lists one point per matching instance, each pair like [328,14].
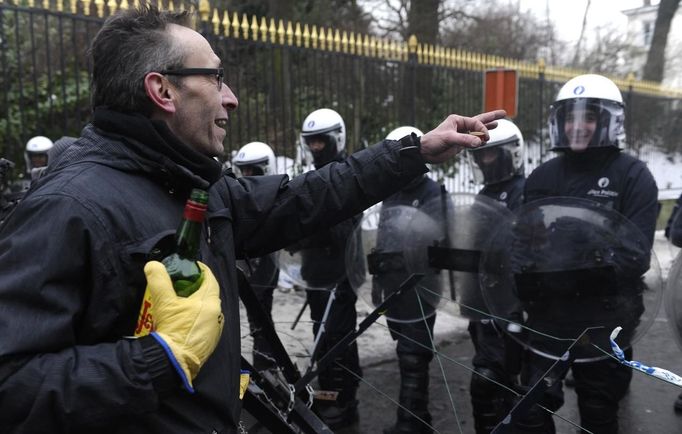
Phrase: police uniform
[622,183]
[414,338]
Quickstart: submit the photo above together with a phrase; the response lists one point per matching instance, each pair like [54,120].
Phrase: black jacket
[616,180]
[509,192]
[71,276]
[673,228]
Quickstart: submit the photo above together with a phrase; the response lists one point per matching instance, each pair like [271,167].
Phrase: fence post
[412,62]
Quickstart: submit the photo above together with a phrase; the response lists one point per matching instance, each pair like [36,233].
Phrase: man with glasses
[68,309]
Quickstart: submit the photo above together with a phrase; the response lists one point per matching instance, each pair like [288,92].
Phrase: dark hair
[130,44]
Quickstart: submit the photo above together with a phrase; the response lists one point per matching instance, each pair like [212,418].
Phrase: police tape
[659,373]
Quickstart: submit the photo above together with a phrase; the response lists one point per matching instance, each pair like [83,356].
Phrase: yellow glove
[188,328]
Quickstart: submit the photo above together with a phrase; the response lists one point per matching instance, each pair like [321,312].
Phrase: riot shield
[376,262]
[464,224]
[573,264]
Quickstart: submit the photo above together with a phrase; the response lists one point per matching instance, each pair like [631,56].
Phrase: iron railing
[281,71]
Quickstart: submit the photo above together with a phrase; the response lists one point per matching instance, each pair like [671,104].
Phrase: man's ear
[160,92]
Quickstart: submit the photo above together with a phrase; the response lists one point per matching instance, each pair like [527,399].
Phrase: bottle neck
[188,236]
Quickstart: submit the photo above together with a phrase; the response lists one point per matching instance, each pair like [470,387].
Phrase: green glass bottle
[182,263]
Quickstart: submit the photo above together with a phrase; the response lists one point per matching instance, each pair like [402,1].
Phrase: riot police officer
[586,129]
[413,337]
[499,167]
[258,159]
[35,157]
[323,135]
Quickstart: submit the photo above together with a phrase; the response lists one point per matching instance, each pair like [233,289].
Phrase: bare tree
[655,61]
[499,28]
[576,55]
[608,54]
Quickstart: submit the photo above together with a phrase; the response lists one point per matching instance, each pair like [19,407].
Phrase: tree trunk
[655,61]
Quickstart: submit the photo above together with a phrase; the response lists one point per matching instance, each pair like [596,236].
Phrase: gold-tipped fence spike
[272,31]
[280,32]
[322,39]
[313,36]
[215,21]
[330,40]
[412,43]
[254,28]
[204,10]
[344,42]
[290,34]
[74,6]
[306,36]
[263,29]
[244,27]
[235,25]
[31,4]
[297,34]
[86,6]
[351,43]
[366,46]
[60,5]
[100,8]
[226,23]
[111,4]
[337,41]
[171,6]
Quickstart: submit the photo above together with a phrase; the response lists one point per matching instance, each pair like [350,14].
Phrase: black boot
[489,403]
[343,411]
[414,396]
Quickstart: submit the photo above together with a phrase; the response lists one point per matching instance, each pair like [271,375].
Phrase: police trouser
[415,352]
[490,402]
[340,321]
[599,385]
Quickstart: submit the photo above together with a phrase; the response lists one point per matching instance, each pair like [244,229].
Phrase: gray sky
[567,15]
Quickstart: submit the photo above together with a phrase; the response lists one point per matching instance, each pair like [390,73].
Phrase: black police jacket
[71,276]
[615,179]
[509,192]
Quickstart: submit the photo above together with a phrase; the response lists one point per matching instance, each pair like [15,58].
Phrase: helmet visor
[493,164]
[322,146]
[579,124]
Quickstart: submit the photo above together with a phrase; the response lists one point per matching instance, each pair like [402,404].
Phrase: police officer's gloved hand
[188,328]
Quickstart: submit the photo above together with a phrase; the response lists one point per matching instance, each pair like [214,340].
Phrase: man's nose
[230,101]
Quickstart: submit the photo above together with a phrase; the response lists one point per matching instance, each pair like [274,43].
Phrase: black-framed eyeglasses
[218,72]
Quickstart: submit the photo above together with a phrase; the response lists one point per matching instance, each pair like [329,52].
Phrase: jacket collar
[163,151]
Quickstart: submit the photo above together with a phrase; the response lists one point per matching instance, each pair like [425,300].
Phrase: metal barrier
[281,71]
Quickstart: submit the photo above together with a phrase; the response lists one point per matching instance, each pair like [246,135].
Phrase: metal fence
[281,71]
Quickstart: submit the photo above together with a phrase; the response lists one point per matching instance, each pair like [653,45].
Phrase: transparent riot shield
[464,224]
[572,265]
[376,262]
[673,301]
